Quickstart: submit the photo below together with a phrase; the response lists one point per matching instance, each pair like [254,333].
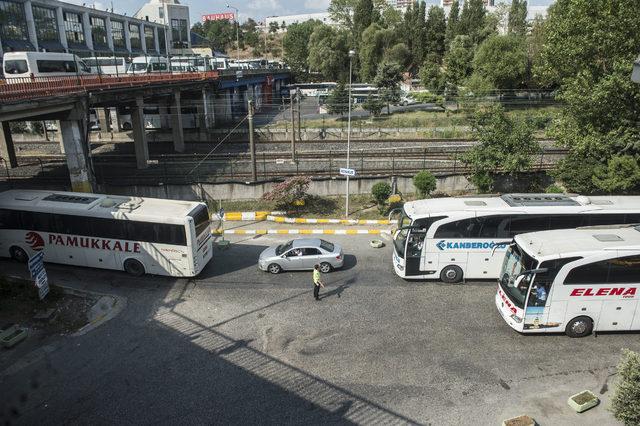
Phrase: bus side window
[465,228]
[566,221]
[553,267]
[494,226]
[9,219]
[624,270]
[527,223]
[604,219]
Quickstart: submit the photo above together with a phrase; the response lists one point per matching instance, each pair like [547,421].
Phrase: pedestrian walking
[317,282]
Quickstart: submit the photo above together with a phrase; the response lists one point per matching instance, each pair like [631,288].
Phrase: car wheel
[579,327]
[274,268]
[451,274]
[19,255]
[325,267]
[134,267]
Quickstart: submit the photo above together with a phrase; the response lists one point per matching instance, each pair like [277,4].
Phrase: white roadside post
[351,55]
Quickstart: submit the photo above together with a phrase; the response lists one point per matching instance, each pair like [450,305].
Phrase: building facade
[323,17]
[55,26]
[175,16]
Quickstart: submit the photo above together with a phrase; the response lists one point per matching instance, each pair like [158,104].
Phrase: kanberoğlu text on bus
[466,237]
[136,235]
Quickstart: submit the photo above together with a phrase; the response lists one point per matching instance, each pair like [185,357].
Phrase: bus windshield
[515,263]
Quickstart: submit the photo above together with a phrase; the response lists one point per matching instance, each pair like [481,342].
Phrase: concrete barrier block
[583,401]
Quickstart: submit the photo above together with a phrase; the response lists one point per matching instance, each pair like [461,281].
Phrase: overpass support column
[7,150]
[139,134]
[72,137]
[115,120]
[228,111]
[176,123]
[103,119]
[209,109]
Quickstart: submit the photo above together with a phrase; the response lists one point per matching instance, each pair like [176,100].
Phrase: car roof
[306,242]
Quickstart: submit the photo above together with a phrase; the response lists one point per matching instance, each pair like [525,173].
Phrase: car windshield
[284,247]
[326,246]
[515,263]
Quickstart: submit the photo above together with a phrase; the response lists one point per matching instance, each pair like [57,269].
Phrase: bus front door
[536,316]
[415,245]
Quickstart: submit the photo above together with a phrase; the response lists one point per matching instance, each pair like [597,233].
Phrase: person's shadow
[335,292]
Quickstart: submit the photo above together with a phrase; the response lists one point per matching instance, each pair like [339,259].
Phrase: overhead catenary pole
[293,132]
[299,120]
[351,55]
[252,145]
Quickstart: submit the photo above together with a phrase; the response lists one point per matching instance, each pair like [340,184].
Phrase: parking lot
[244,346]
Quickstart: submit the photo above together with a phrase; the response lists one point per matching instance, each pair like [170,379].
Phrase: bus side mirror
[536,271]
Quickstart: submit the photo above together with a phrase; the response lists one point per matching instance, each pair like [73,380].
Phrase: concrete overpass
[218,97]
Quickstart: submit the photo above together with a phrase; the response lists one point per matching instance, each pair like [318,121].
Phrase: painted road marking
[303,231]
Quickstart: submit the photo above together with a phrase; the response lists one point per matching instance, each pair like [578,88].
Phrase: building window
[162,41]
[73,28]
[179,33]
[134,36]
[161,12]
[117,32]
[98,31]
[149,39]
[46,24]
[13,24]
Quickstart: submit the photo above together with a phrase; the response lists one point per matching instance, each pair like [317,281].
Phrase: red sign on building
[218,17]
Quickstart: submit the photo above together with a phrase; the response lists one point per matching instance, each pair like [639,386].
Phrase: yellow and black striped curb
[301,231]
[279,219]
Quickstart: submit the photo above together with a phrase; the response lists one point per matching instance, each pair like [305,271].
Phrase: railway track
[398,153]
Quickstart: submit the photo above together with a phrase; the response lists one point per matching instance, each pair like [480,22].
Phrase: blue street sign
[36,264]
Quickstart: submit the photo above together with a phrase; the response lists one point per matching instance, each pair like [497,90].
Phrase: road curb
[302,231]
[242,216]
[280,219]
[106,308]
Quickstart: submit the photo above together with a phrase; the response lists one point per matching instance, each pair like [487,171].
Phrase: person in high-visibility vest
[317,282]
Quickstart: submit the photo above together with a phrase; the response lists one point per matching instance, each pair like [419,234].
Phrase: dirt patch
[19,304]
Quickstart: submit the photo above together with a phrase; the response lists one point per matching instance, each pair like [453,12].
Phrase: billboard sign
[229,16]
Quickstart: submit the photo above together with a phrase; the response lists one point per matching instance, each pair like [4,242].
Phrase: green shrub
[381,192]
[554,189]
[424,182]
[625,404]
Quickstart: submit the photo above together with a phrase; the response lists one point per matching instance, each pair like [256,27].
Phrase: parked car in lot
[300,255]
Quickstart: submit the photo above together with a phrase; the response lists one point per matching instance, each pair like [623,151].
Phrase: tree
[341,12]
[381,192]
[517,20]
[329,53]
[588,52]
[436,28]
[502,61]
[431,74]
[388,80]
[625,403]
[285,193]
[505,145]
[221,33]
[373,106]
[621,174]
[472,20]
[452,23]
[459,60]
[398,53]
[375,40]
[296,42]
[338,100]
[363,16]
[273,27]
[425,183]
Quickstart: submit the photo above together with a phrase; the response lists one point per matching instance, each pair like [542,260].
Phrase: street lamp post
[237,30]
[352,53]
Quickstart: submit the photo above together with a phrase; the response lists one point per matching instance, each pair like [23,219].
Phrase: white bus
[136,235]
[148,64]
[110,65]
[574,280]
[456,238]
[20,65]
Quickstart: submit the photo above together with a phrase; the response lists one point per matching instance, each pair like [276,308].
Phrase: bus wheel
[18,254]
[133,267]
[451,274]
[274,268]
[579,327]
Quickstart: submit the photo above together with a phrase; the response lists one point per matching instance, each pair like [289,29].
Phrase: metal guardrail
[27,88]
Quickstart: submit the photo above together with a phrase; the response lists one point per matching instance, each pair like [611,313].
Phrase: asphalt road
[237,345]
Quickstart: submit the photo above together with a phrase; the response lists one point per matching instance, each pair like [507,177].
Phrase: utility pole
[293,133]
[352,53]
[299,121]
[252,145]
